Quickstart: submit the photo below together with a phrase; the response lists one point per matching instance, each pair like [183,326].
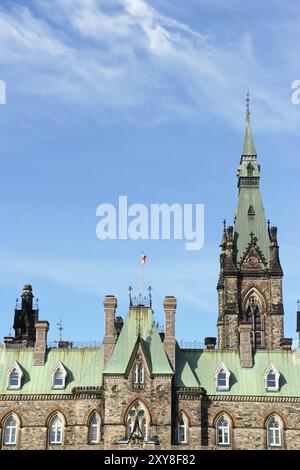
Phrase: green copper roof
[139,323]
[244,225]
[84,368]
[250,214]
[249,146]
[243,381]
[185,376]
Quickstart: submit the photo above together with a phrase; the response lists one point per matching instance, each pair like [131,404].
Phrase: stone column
[170,305]
[40,347]
[110,306]
[245,345]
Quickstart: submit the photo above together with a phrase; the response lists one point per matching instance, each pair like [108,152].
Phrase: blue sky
[143,98]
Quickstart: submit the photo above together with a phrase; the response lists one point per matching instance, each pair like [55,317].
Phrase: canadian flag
[143,258]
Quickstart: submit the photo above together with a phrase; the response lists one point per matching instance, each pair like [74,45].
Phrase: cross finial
[224,223]
[298,304]
[252,235]
[248,105]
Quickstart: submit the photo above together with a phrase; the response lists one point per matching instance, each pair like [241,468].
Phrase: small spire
[249,146]
[298,305]
[224,236]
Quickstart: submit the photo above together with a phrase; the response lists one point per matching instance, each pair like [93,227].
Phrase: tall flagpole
[142,275]
[143,261]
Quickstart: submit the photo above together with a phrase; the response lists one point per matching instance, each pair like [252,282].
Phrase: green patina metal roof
[250,214]
[243,381]
[244,224]
[249,146]
[139,324]
[84,368]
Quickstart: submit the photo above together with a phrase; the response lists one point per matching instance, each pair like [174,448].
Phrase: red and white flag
[143,258]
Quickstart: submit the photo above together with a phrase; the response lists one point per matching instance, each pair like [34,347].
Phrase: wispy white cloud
[129,61]
[92,277]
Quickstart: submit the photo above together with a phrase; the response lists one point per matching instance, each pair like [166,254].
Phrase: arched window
[223,431]
[10,430]
[274,432]
[56,427]
[182,430]
[138,374]
[137,421]
[94,428]
[254,314]
[250,169]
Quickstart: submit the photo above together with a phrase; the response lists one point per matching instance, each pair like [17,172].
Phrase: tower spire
[249,146]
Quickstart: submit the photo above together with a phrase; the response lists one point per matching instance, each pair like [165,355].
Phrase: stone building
[139,389]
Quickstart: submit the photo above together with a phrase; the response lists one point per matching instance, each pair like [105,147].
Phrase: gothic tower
[26,315]
[250,281]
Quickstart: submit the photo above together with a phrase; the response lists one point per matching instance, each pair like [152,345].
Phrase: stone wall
[248,419]
[34,416]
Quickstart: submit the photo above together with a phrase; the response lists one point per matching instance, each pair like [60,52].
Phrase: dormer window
[222,377]
[14,377]
[138,374]
[271,377]
[59,375]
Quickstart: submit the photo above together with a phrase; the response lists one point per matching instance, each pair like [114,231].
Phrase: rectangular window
[271,381]
[222,380]
[14,379]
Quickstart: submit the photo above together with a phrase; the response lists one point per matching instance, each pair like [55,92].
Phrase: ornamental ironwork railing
[191,344]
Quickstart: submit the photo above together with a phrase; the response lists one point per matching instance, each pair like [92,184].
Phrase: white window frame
[222,369]
[279,429]
[56,441]
[138,374]
[96,425]
[59,367]
[10,441]
[223,430]
[272,370]
[14,367]
[141,374]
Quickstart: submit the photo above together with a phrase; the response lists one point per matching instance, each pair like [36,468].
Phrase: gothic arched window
[10,430]
[223,431]
[56,428]
[182,429]
[254,314]
[94,428]
[274,431]
[137,421]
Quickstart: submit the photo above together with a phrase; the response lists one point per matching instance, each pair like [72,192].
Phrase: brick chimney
[40,347]
[170,305]
[110,306]
[245,344]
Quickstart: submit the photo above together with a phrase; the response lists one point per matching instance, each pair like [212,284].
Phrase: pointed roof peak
[249,146]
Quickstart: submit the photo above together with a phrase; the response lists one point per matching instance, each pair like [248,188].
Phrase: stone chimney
[210,342]
[170,305]
[40,347]
[110,306]
[245,345]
